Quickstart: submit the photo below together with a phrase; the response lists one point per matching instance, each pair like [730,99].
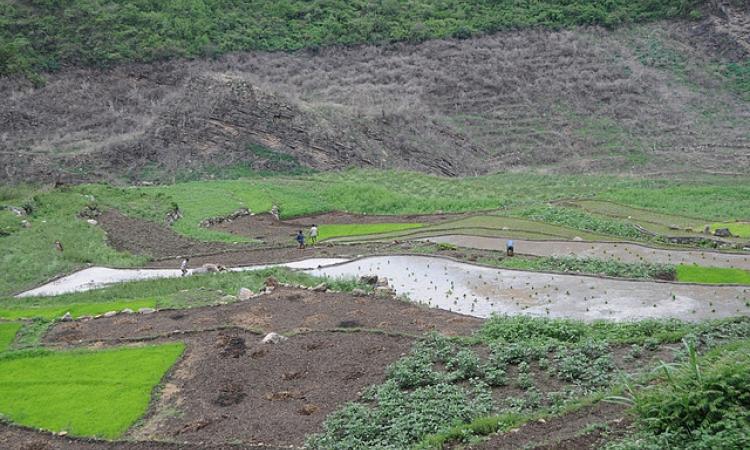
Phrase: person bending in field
[313,234]
[184,266]
[300,240]
[509,248]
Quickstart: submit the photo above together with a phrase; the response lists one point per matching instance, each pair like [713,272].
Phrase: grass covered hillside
[43,35]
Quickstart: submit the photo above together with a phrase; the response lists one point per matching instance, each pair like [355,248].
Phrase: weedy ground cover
[8,334]
[118,33]
[703,402]
[102,393]
[711,275]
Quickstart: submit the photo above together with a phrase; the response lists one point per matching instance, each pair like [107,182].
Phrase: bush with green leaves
[44,35]
[702,403]
[396,419]
[587,364]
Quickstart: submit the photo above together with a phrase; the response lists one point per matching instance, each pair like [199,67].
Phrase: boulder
[213,268]
[274,338]
[228,298]
[322,287]
[26,224]
[372,280]
[578,239]
[358,292]
[384,291]
[109,314]
[245,294]
[146,310]
[127,311]
[67,317]
[722,232]
[20,212]
[674,227]
[92,222]
[382,281]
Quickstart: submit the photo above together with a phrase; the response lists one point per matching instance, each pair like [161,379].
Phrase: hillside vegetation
[45,34]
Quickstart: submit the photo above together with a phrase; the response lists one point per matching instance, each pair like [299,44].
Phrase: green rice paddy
[86,393]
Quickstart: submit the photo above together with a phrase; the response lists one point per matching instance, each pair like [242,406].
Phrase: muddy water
[482,291]
[98,277]
[629,253]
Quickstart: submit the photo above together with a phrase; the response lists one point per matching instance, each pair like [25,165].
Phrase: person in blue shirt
[300,239]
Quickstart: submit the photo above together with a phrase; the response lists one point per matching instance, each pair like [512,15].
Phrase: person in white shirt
[184,266]
[313,234]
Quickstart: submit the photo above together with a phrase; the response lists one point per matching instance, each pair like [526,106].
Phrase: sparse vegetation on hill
[44,35]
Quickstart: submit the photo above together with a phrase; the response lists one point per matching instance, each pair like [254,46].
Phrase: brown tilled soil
[282,311]
[231,387]
[564,432]
[141,237]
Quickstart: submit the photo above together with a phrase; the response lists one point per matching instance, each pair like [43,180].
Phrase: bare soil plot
[623,252]
[230,387]
[282,311]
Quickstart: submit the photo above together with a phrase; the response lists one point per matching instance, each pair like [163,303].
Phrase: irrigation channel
[481,291]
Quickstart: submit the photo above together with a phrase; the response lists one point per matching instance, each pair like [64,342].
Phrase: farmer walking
[184,266]
[300,240]
[313,234]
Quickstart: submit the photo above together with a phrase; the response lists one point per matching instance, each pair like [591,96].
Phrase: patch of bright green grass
[739,229]
[712,275]
[75,309]
[7,334]
[28,256]
[87,393]
[353,229]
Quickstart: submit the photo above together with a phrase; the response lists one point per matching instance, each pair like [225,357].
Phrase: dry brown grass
[580,100]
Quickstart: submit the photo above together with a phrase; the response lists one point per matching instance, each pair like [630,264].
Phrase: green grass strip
[75,309]
[7,334]
[712,275]
[86,393]
[355,229]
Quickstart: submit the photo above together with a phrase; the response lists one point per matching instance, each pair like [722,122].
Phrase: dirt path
[285,310]
[230,387]
[564,432]
[623,252]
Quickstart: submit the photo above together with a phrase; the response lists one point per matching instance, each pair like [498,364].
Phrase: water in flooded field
[482,291]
